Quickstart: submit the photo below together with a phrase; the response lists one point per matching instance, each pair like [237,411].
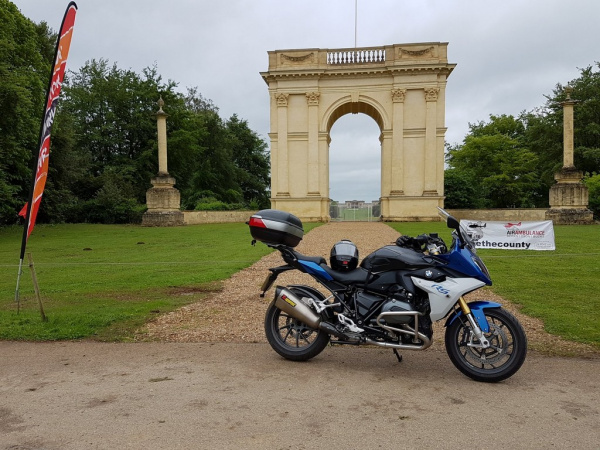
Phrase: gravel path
[236,313]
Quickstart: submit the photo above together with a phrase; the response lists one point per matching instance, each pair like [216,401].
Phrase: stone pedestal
[162,199]
[569,199]
[569,196]
[163,202]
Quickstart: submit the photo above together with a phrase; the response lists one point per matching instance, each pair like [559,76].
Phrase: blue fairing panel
[477,308]
[314,269]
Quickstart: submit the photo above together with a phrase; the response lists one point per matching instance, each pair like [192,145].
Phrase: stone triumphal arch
[402,87]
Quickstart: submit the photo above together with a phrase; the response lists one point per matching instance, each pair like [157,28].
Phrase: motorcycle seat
[315,259]
[358,275]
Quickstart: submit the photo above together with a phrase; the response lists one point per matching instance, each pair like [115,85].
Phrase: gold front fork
[483,342]
[464,307]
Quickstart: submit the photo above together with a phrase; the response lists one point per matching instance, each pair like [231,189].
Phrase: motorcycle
[391,300]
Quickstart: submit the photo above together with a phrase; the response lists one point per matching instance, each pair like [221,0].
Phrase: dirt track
[235,394]
[244,396]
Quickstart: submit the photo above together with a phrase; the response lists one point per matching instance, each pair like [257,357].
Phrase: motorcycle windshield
[464,260]
[466,238]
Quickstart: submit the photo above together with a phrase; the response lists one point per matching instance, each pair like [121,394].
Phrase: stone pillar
[312,99]
[398,96]
[568,131]
[569,196]
[161,125]
[430,166]
[162,199]
[282,189]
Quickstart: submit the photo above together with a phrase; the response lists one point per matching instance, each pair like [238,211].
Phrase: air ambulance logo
[523,230]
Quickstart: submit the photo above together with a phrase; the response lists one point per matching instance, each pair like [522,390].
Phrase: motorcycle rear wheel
[501,360]
[291,338]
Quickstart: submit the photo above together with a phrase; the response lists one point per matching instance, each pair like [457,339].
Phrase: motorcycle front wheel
[291,338]
[502,359]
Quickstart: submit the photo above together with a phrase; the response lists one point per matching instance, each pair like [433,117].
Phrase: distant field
[358,214]
[558,286]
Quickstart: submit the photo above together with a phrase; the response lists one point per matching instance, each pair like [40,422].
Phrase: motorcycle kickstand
[398,355]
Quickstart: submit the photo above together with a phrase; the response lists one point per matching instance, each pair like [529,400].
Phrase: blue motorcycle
[390,300]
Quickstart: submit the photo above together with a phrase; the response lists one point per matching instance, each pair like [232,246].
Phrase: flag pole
[31,189]
[57,72]
[355,24]
[17,298]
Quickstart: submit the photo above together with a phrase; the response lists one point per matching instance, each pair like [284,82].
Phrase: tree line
[510,162]
[104,144]
[104,149]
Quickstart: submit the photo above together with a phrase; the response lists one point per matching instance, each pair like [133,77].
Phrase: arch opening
[355,167]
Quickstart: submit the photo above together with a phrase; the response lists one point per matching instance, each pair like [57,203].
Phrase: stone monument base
[570,216]
[162,219]
[569,199]
[163,202]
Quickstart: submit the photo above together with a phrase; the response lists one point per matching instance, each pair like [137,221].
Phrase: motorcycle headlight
[479,263]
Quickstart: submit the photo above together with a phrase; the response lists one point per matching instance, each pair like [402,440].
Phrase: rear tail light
[256,222]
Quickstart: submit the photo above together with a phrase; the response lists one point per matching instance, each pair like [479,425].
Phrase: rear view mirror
[452,223]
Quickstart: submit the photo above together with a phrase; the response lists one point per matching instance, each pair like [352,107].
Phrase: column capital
[568,101]
[282,99]
[313,98]
[160,112]
[398,95]
[431,94]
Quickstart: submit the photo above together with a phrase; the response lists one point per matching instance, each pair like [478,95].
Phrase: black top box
[276,227]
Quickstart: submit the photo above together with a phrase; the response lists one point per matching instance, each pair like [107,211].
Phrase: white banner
[511,235]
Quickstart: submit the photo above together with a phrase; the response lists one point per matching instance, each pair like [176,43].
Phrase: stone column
[312,99]
[430,165]
[161,124]
[569,196]
[568,147]
[282,189]
[397,176]
[162,199]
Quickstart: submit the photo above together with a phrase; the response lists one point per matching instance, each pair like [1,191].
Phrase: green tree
[24,71]
[217,164]
[110,113]
[104,149]
[544,132]
[252,163]
[512,161]
[460,190]
[496,162]
[593,184]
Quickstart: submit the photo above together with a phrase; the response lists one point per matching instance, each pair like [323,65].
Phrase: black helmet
[344,256]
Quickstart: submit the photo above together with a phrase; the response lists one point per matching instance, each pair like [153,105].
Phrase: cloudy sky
[509,54]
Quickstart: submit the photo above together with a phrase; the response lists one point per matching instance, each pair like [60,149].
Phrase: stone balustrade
[356,56]
[389,56]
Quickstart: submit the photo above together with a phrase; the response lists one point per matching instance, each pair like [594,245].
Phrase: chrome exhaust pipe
[290,304]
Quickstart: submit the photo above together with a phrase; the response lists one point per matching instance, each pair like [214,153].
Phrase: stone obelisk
[569,196]
[162,199]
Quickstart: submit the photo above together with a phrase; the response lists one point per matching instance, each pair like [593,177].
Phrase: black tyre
[501,360]
[293,339]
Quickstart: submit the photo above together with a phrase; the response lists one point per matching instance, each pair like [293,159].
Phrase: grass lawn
[555,286]
[104,281]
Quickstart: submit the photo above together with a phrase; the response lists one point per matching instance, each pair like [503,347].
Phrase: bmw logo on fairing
[428,274]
